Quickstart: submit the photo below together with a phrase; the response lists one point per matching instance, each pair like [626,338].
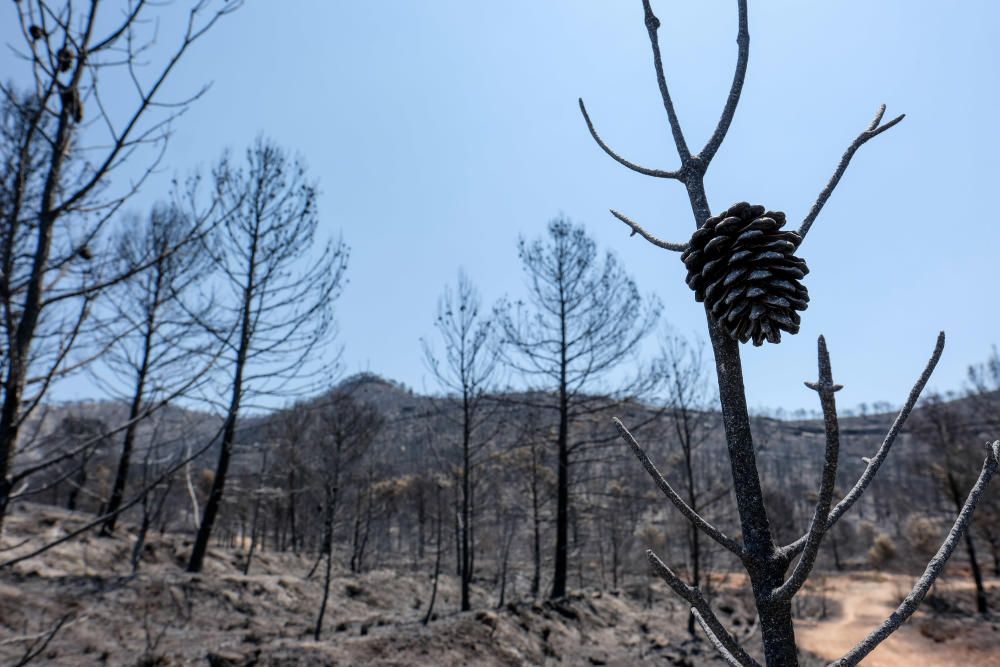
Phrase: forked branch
[874,129]
[934,567]
[817,528]
[692,516]
[717,632]
[876,461]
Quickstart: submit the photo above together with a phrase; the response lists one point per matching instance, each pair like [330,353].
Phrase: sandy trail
[866,602]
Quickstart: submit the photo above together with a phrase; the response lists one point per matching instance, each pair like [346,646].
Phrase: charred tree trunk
[536,526]
[560,571]
[466,569]
[135,409]
[229,430]
[765,569]
[437,559]
[982,606]
[19,345]
[256,515]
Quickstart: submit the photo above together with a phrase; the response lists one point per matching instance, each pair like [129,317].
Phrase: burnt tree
[60,185]
[751,290]
[152,348]
[584,319]
[465,369]
[281,287]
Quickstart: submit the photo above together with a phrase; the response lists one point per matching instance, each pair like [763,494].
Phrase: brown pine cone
[744,268]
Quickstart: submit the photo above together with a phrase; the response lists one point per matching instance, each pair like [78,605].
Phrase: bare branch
[934,567]
[875,462]
[743,41]
[705,614]
[716,642]
[637,229]
[817,528]
[656,173]
[671,495]
[652,25]
[873,130]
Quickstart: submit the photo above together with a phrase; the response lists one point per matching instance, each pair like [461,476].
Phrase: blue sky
[441,130]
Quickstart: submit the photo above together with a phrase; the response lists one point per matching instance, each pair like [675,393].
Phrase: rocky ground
[164,617]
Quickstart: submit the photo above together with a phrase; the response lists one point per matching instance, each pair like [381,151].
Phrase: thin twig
[933,570]
[743,57]
[672,495]
[817,528]
[638,229]
[693,596]
[876,461]
[656,173]
[873,130]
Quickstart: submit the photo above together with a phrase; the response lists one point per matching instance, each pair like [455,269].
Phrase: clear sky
[441,130]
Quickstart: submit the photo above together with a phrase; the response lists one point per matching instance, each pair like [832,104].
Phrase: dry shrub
[883,551]
[651,536]
[921,534]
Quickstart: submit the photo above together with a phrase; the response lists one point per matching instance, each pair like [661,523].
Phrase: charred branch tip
[716,642]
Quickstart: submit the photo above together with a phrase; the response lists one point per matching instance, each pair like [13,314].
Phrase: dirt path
[866,602]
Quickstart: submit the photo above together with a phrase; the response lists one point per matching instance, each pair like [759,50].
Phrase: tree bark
[766,571]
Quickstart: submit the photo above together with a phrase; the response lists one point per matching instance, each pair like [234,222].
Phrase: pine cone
[65,59]
[744,268]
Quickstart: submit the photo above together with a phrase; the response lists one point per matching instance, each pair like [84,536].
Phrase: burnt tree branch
[874,129]
[638,229]
[817,528]
[883,451]
[664,486]
[743,57]
[656,173]
[716,642]
[706,616]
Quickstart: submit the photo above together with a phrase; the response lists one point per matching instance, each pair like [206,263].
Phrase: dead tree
[60,185]
[537,482]
[153,504]
[736,311]
[466,371]
[439,547]
[289,430]
[348,429]
[586,319]
[942,425]
[282,287]
[152,343]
